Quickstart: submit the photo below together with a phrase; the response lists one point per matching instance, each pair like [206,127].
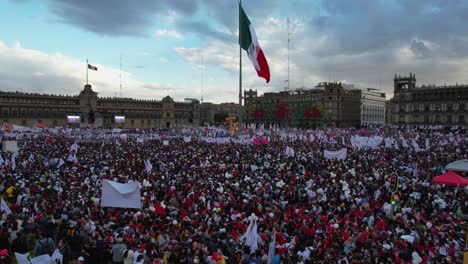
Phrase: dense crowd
[200,198]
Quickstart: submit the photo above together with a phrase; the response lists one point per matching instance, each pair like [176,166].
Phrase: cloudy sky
[186,48]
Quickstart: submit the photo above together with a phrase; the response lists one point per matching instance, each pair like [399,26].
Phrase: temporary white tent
[459,165]
[122,195]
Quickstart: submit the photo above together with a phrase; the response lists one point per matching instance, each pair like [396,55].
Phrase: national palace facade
[427,105]
[27,109]
[327,105]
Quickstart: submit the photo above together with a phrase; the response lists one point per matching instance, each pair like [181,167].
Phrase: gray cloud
[203,29]
[116,17]
[419,48]
[362,41]
[130,18]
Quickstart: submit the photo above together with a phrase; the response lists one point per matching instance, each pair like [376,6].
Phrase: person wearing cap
[80,260]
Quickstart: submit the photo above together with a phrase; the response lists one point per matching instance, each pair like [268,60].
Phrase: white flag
[289,152]
[4,208]
[57,257]
[22,258]
[13,159]
[148,166]
[61,162]
[187,139]
[415,145]
[72,158]
[31,158]
[74,147]
[42,259]
[404,143]
[271,249]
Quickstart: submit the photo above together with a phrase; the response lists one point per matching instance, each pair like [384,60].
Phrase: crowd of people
[204,202]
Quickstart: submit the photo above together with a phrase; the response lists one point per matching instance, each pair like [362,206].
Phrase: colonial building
[372,106]
[216,114]
[327,105]
[428,105]
[87,109]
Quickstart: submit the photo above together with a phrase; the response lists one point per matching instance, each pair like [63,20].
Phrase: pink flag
[255,141]
[264,140]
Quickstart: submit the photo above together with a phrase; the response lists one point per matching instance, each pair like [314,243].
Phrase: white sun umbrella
[459,165]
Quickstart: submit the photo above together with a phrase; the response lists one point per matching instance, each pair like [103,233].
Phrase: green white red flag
[92,67]
[249,43]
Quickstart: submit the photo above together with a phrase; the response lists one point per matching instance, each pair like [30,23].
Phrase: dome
[167,99]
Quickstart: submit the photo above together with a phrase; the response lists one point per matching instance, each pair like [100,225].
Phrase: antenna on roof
[202,77]
[121,75]
[289,40]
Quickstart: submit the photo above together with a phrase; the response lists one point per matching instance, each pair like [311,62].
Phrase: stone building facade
[27,109]
[372,106]
[428,105]
[215,114]
[327,105]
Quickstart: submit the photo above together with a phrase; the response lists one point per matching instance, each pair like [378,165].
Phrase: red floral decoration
[259,113]
[313,112]
[282,111]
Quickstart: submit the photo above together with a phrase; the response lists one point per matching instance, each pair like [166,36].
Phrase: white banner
[122,195]
[340,154]
[289,152]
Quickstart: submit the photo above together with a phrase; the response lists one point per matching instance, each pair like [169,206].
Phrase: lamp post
[394,197]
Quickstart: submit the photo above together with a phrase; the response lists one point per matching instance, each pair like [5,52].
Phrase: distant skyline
[176,47]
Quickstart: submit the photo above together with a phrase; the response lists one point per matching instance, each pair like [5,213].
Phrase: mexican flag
[91,67]
[248,42]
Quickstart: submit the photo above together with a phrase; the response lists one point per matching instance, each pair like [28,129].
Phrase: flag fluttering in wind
[74,147]
[92,67]
[271,248]
[249,42]
[4,207]
[148,166]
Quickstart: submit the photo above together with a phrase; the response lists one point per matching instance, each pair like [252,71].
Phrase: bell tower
[404,83]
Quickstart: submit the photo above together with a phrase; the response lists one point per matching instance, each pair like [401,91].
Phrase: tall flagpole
[240,71]
[87,68]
